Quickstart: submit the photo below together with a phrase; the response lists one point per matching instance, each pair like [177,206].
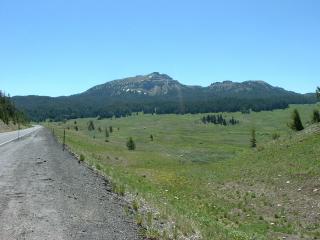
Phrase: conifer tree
[296,123]
[130,144]
[90,125]
[253,140]
[315,116]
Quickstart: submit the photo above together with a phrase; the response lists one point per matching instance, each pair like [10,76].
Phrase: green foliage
[296,123]
[219,120]
[98,167]
[139,219]
[9,112]
[151,137]
[110,129]
[135,205]
[82,157]
[130,144]
[275,136]
[253,140]
[318,92]
[315,116]
[196,100]
[106,133]
[90,125]
[224,190]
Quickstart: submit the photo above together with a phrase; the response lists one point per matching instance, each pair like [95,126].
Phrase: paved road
[10,136]
[46,194]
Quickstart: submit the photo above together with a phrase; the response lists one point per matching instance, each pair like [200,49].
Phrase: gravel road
[47,194]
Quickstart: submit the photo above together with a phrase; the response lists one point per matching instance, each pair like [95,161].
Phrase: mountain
[153,84]
[159,93]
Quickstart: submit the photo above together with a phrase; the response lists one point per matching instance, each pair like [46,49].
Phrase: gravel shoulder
[47,194]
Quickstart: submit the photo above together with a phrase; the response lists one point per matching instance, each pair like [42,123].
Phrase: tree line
[42,108]
[8,111]
[219,120]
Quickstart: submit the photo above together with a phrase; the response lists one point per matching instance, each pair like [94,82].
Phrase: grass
[206,178]
[11,126]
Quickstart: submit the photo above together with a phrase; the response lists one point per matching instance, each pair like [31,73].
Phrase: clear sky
[61,47]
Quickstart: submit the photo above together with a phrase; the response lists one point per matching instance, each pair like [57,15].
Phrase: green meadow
[204,180]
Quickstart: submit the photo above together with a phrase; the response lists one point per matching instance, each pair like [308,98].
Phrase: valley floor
[204,179]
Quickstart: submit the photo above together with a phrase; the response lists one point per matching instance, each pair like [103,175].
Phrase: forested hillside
[159,93]
[8,111]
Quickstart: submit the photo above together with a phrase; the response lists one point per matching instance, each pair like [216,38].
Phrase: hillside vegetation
[159,93]
[10,117]
[204,179]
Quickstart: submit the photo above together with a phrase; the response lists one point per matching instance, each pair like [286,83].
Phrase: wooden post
[64,139]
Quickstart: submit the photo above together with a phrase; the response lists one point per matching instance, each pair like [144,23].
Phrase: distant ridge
[161,93]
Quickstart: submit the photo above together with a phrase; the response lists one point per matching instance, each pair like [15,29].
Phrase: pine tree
[110,129]
[90,125]
[318,92]
[151,137]
[316,116]
[224,122]
[130,144]
[204,120]
[253,140]
[106,133]
[296,121]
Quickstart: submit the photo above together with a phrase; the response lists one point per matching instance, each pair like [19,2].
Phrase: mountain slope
[159,93]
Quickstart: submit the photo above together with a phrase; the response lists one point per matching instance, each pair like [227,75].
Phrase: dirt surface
[47,194]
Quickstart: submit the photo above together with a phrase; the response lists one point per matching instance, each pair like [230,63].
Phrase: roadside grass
[206,178]
[11,127]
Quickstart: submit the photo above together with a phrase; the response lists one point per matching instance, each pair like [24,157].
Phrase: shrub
[130,144]
[275,136]
[98,167]
[135,205]
[82,157]
[90,125]
[139,219]
[121,190]
[296,123]
[315,116]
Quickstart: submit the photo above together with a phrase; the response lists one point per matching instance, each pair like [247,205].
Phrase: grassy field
[204,179]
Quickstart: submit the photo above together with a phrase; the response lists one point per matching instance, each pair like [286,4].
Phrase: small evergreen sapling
[130,144]
[296,123]
[90,125]
[315,116]
[253,140]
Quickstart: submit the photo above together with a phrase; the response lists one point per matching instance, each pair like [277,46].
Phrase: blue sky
[63,47]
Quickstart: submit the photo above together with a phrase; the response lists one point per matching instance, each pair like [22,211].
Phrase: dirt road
[46,194]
